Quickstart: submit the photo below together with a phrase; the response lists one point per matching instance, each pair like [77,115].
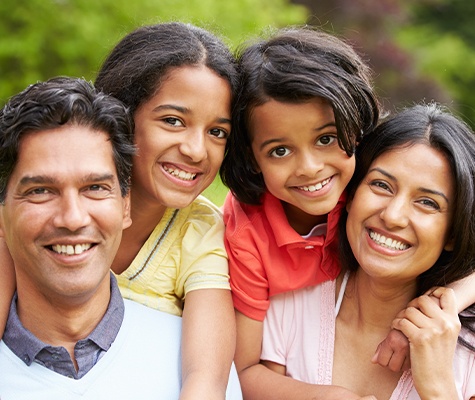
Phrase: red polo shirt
[267,256]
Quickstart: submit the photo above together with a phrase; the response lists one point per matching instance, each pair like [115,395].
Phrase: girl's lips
[179,173]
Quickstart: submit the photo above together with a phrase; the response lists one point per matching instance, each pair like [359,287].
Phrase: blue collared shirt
[87,351]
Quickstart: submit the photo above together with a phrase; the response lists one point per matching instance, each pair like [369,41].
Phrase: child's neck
[300,221]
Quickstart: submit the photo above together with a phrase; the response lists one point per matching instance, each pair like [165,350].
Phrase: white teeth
[387,242]
[314,188]
[70,249]
[186,176]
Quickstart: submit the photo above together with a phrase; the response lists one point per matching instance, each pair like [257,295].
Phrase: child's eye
[173,121]
[279,152]
[219,133]
[326,140]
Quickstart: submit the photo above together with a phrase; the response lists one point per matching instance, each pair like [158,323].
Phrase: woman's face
[181,134]
[399,219]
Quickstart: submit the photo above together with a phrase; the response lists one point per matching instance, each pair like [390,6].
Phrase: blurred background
[420,50]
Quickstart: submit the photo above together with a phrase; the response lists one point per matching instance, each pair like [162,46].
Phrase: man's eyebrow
[37,179]
[47,179]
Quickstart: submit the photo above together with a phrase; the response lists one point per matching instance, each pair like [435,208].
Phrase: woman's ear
[449,246]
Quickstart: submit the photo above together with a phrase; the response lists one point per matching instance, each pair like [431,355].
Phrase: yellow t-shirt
[185,252]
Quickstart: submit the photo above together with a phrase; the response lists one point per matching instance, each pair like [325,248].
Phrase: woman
[411,226]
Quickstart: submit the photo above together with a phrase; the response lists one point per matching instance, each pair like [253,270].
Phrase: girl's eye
[173,121]
[326,140]
[279,152]
[219,133]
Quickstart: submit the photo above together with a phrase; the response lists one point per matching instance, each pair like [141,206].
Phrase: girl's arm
[261,383]
[208,343]
[393,352]
[7,284]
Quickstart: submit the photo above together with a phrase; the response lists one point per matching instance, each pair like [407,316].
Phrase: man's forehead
[69,152]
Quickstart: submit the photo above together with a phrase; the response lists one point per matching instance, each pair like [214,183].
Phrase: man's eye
[38,191]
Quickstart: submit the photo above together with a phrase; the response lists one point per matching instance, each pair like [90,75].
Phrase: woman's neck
[374,302]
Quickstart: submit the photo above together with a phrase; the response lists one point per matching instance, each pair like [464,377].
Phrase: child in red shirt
[304,103]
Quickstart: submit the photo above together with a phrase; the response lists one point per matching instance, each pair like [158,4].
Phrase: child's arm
[208,343]
[393,352]
[261,383]
[7,284]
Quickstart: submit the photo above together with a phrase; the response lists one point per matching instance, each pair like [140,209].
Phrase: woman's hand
[432,326]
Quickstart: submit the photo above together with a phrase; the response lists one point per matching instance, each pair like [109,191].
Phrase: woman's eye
[219,133]
[326,140]
[279,152]
[173,121]
[429,203]
[380,184]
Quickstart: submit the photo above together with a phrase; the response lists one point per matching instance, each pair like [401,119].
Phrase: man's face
[64,213]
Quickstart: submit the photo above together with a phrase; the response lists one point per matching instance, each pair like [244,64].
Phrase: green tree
[44,38]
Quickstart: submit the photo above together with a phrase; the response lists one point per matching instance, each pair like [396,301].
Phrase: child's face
[296,149]
[181,135]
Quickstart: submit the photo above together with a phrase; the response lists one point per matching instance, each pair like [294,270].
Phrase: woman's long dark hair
[437,128]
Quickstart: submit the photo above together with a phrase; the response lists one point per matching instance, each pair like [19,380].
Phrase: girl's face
[181,134]
[399,219]
[296,149]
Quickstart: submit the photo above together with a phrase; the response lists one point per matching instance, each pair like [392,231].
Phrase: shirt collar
[26,346]
[285,235]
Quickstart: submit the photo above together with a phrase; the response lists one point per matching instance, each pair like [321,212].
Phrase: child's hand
[393,352]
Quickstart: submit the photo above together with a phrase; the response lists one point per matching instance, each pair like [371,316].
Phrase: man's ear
[126,212]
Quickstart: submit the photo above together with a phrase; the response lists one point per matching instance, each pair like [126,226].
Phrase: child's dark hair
[136,66]
[437,128]
[296,65]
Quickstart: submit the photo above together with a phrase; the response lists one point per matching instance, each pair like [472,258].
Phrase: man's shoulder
[150,317]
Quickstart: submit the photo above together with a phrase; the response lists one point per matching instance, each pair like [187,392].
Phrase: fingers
[393,352]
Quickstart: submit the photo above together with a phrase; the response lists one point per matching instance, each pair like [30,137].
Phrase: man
[65,161]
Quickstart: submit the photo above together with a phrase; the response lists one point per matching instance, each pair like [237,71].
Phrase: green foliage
[441,38]
[45,38]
